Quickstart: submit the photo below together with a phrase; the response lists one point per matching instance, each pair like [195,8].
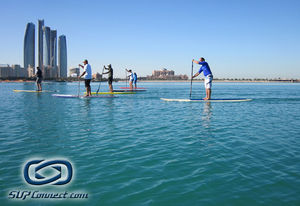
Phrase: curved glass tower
[29,46]
[53,48]
[46,45]
[62,56]
[53,53]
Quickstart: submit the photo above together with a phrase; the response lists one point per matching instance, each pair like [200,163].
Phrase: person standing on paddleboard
[87,72]
[39,78]
[135,80]
[110,73]
[207,74]
[130,78]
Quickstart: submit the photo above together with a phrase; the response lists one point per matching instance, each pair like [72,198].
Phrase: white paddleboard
[202,100]
[34,91]
[80,96]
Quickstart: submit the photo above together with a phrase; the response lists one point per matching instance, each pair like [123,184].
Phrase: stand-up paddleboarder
[87,72]
[207,74]
[135,80]
[39,78]
[130,78]
[110,73]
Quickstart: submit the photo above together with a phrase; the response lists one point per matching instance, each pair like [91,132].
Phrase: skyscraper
[29,46]
[40,42]
[46,45]
[62,56]
[53,48]
[53,53]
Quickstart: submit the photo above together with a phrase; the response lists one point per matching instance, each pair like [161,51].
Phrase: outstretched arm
[82,74]
[197,62]
[195,75]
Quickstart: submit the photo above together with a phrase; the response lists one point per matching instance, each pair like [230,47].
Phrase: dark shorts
[87,82]
[39,80]
[110,80]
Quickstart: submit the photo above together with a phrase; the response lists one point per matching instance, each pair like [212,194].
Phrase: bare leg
[90,93]
[208,93]
[110,87]
[130,85]
[39,87]
[87,91]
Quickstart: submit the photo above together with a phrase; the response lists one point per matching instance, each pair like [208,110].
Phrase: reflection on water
[207,114]
[85,112]
[87,104]
[110,110]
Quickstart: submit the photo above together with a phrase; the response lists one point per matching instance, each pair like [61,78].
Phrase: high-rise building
[53,48]
[40,42]
[53,53]
[46,45]
[62,56]
[46,52]
[29,46]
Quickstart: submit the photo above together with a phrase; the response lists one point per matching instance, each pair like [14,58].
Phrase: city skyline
[249,39]
[46,54]
[54,52]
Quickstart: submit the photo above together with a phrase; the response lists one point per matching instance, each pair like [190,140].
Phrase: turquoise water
[139,150]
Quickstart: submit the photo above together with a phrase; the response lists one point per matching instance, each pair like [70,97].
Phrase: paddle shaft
[78,86]
[126,77]
[191,80]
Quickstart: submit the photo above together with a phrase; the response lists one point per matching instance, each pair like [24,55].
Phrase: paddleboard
[201,100]
[35,91]
[112,92]
[80,96]
[133,88]
[129,90]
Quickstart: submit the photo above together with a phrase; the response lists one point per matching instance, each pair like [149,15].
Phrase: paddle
[126,76]
[100,81]
[191,80]
[78,86]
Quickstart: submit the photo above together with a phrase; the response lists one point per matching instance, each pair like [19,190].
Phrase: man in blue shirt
[134,79]
[207,74]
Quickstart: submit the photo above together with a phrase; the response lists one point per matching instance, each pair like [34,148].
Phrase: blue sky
[238,38]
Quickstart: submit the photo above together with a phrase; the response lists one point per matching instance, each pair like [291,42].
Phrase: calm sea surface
[139,150]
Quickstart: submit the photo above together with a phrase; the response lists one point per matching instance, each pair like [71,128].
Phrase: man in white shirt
[130,78]
[87,72]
